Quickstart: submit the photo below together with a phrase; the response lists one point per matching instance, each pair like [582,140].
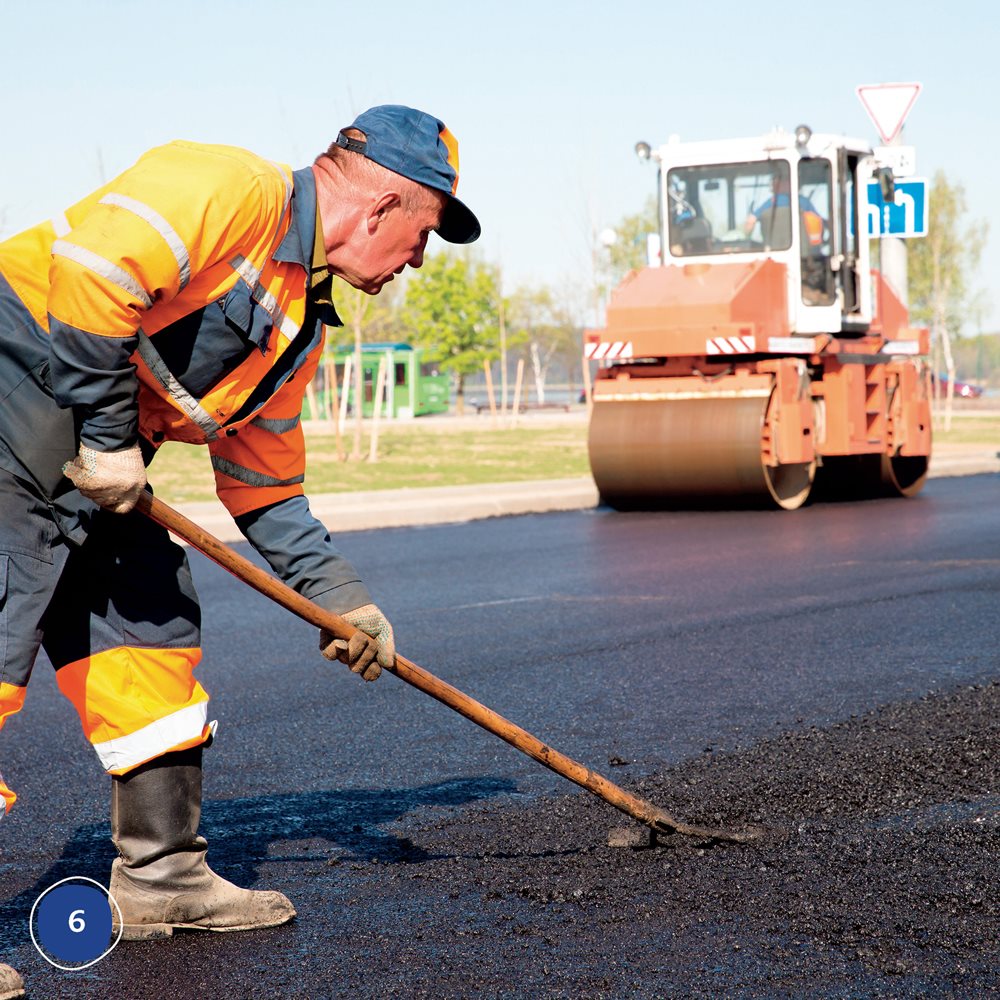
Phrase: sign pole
[892,254]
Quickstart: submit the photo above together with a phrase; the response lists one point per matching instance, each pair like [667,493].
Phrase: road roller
[759,359]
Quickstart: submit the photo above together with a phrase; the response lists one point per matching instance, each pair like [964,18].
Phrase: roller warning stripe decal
[599,352]
[731,345]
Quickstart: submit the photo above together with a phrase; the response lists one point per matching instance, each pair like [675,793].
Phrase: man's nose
[417,259]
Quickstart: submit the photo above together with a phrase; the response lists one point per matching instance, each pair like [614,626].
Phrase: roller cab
[758,360]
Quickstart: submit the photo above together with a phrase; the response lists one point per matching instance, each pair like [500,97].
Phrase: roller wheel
[902,475]
[677,453]
[867,477]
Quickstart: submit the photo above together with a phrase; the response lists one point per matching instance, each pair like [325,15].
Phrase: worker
[775,219]
[185,301]
[774,216]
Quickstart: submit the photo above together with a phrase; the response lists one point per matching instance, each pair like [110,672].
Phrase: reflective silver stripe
[244,475]
[252,277]
[245,270]
[273,426]
[280,320]
[160,735]
[99,265]
[288,184]
[161,225]
[60,224]
[189,405]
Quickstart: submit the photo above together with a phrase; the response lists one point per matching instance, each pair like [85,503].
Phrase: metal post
[892,255]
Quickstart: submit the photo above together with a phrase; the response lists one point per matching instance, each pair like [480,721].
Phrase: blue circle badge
[71,923]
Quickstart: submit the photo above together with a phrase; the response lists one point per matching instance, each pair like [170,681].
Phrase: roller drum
[705,452]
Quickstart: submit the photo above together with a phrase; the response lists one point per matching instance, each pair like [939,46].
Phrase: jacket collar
[297,245]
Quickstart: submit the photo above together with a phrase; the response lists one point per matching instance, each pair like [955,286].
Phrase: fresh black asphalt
[831,672]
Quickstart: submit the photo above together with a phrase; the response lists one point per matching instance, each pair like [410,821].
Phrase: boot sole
[152,932]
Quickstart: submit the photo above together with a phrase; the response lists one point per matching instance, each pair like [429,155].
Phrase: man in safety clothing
[775,220]
[765,213]
[185,301]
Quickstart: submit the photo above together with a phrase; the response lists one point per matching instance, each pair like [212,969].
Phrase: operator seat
[696,235]
[776,227]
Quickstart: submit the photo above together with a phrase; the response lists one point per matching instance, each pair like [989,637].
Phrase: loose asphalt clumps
[879,876]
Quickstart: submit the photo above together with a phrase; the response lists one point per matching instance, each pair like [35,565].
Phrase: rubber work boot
[161,880]
[11,984]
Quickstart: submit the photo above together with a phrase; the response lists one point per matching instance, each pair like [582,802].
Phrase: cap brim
[458,224]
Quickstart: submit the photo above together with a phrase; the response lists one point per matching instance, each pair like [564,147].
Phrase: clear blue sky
[546,99]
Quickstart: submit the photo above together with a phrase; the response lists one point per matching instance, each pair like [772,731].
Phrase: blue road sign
[905,216]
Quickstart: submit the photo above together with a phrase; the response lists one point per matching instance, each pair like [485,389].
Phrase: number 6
[76,921]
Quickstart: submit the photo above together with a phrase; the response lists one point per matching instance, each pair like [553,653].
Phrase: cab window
[728,208]
[815,178]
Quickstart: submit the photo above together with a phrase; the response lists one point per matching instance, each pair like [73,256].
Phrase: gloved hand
[113,479]
[371,647]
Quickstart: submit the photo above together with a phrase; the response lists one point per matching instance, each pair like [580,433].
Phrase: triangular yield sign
[887,105]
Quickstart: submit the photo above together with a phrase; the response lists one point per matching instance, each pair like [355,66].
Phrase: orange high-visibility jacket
[172,304]
[187,267]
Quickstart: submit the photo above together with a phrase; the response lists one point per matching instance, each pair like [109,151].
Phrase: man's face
[399,239]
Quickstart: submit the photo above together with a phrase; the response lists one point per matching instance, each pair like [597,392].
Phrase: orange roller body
[758,360]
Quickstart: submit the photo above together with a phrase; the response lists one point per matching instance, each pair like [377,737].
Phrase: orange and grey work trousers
[118,617]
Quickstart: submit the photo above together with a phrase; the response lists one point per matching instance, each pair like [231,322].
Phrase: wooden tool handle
[262,581]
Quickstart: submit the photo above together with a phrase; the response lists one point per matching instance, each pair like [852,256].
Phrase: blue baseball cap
[420,147]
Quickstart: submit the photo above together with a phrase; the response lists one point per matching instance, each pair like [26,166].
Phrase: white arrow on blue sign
[905,216]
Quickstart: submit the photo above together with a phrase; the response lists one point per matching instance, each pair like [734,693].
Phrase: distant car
[963,389]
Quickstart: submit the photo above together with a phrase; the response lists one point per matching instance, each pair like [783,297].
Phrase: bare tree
[365,317]
[543,324]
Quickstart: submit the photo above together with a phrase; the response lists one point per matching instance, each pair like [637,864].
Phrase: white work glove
[371,647]
[113,479]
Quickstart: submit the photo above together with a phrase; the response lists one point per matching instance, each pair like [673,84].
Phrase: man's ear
[380,208]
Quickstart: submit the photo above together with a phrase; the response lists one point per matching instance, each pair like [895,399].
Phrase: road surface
[830,672]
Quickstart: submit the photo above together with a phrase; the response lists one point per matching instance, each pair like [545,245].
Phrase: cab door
[849,257]
[818,306]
